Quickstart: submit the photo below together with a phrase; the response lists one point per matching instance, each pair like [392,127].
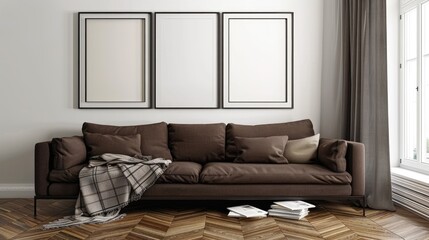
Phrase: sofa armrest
[355,158]
[41,168]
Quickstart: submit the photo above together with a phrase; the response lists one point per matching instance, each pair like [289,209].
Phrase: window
[415,85]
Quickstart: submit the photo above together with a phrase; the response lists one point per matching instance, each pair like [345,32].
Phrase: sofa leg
[363,205]
[35,206]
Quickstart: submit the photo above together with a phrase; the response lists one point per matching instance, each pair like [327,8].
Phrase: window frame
[412,164]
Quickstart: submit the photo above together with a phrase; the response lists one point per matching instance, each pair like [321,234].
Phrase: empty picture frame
[114,60]
[258,60]
[186,60]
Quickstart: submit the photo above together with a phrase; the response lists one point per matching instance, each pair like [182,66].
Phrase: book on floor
[236,215]
[285,215]
[290,209]
[280,209]
[248,211]
[295,205]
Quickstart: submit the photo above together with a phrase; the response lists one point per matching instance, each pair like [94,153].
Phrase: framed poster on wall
[258,60]
[186,60]
[114,60]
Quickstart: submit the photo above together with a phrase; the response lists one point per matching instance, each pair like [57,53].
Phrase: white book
[248,211]
[295,217]
[286,210]
[282,211]
[295,205]
[234,214]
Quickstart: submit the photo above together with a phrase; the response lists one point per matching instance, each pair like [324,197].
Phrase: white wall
[38,74]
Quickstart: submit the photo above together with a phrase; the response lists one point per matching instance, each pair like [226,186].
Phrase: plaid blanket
[108,184]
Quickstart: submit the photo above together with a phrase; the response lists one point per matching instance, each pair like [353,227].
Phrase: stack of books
[290,209]
[246,211]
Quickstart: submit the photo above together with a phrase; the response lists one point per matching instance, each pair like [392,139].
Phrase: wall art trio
[185,60]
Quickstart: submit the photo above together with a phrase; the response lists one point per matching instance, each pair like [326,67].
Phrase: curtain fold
[362,75]
[365,77]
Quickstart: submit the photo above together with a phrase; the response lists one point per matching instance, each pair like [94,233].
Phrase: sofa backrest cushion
[154,137]
[98,144]
[197,142]
[68,152]
[294,130]
[332,154]
[261,149]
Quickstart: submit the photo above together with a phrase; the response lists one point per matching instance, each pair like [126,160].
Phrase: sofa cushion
[197,142]
[332,154]
[181,172]
[261,150]
[68,152]
[154,137]
[236,173]
[98,144]
[302,150]
[70,175]
[294,130]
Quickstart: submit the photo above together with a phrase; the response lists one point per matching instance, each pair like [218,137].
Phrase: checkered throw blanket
[108,184]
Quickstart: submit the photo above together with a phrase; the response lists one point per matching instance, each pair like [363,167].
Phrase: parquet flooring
[204,220]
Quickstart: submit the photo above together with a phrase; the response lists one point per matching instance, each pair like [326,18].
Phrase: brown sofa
[203,166]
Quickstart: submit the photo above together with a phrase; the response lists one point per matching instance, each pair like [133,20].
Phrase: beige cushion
[261,150]
[302,150]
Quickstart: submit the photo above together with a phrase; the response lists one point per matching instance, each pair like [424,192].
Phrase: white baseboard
[16,190]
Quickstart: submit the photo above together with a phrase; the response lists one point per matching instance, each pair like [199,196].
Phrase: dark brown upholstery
[356,166]
[332,154]
[242,191]
[98,144]
[70,175]
[261,149]
[316,180]
[154,137]
[197,142]
[181,172]
[294,130]
[68,152]
[236,173]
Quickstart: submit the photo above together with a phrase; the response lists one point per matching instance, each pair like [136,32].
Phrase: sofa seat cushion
[181,172]
[236,173]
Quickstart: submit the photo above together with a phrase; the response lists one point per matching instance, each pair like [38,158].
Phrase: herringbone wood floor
[170,220]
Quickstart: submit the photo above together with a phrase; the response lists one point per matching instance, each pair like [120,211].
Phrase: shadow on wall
[17,154]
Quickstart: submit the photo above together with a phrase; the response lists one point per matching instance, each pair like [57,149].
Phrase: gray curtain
[362,75]
[365,92]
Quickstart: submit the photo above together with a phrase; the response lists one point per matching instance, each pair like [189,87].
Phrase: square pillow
[261,149]
[68,152]
[98,144]
[198,143]
[302,150]
[294,130]
[154,137]
[332,154]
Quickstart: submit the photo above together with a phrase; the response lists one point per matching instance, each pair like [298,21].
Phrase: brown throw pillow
[98,144]
[68,152]
[261,150]
[294,130]
[198,143]
[332,154]
[154,137]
